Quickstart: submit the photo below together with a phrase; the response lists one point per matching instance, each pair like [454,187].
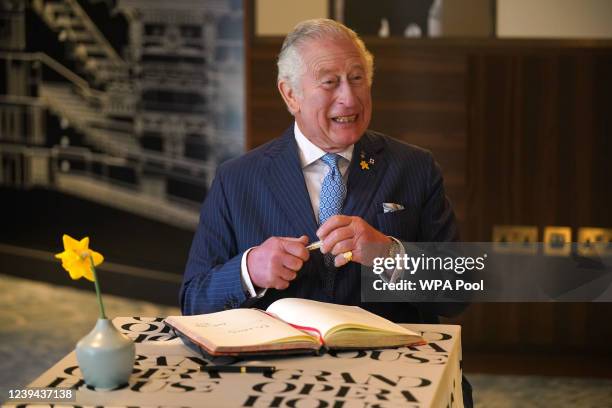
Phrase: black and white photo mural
[126,106]
[417,18]
[121,97]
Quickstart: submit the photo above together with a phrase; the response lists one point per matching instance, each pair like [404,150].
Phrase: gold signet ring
[348,255]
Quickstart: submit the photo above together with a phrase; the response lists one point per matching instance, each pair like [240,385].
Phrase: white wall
[554,18]
[278,17]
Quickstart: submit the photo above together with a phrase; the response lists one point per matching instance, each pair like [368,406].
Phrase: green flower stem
[100,304]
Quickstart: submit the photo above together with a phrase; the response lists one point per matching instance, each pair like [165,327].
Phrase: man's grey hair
[290,64]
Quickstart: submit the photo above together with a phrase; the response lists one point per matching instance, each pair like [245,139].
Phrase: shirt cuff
[392,276]
[247,284]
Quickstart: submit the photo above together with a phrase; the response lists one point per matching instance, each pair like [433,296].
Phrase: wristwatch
[394,249]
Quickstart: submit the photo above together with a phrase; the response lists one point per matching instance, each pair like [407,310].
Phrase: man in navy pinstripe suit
[263,208]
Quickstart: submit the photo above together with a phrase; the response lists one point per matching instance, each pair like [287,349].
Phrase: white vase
[105,356]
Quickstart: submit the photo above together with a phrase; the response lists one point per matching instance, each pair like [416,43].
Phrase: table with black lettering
[167,373]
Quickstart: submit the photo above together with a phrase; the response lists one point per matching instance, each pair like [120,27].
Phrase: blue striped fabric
[263,194]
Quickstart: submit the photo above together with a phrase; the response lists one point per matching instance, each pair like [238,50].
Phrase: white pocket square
[391,207]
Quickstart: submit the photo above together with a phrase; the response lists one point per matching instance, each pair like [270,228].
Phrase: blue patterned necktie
[333,192]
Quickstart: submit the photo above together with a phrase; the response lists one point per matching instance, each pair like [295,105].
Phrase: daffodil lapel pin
[365,164]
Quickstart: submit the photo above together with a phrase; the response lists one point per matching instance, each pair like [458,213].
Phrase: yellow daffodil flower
[80,261]
[75,258]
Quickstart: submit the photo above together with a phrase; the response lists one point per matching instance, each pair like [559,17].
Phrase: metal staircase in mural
[77,102]
[110,136]
[98,101]
[90,47]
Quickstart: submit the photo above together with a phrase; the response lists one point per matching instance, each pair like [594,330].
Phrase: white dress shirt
[314,170]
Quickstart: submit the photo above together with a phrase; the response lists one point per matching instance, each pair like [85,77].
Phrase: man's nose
[346,94]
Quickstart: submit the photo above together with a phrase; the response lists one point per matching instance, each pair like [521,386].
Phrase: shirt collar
[310,152]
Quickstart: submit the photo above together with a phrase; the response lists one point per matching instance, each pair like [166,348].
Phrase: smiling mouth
[345,119]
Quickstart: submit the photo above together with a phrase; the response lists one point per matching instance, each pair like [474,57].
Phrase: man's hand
[343,233]
[274,264]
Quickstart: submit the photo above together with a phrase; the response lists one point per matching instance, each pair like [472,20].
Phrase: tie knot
[331,159]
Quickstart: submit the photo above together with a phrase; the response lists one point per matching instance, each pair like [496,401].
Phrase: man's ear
[289,96]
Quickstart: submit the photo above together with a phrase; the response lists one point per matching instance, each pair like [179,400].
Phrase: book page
[234,328]
[326,316]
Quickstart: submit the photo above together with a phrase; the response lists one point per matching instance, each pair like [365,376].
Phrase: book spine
[316,332]
[309,329]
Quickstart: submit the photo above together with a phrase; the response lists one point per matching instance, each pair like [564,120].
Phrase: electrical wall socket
[557,241]
[594,241]
[523,234]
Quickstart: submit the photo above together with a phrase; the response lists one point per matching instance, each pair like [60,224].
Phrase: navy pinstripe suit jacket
[263,194]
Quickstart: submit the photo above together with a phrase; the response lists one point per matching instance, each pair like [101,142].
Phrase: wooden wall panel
[538,154]
[539,140]
[268,115]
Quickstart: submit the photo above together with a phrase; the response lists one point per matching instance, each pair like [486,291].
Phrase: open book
[291,325]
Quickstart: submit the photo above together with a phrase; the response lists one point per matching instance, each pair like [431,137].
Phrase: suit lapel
[364,181]
[286,182]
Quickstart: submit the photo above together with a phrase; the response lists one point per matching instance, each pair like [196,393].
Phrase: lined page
[326,316]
